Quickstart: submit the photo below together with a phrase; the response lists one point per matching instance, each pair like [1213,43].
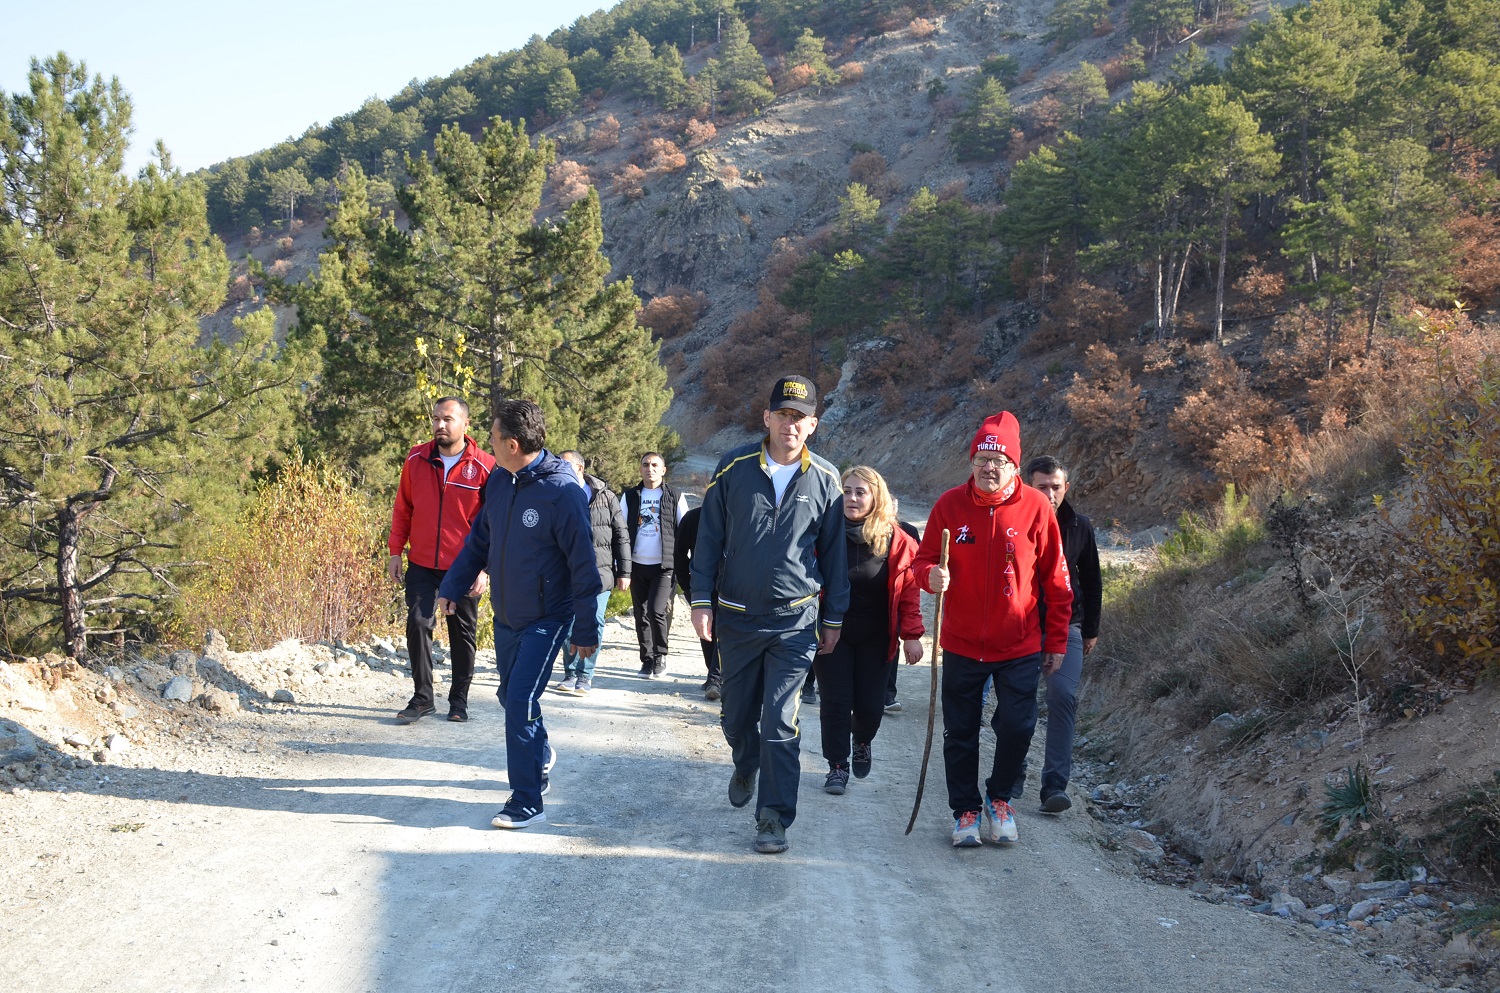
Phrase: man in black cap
[770,540]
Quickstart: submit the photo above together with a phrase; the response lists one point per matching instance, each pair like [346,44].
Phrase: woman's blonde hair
[882,517]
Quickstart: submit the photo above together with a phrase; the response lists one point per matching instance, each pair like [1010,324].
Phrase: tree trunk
[1223,260]
[1161,322]
[1180,277]
[69,596]
[1375,302]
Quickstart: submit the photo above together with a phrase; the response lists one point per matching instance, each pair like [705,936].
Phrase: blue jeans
[765,661]
[524,657]
[963,687]
[1062,713]
[576,665]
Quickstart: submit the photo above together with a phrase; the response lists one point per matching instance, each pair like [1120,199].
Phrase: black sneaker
[713,690]
[517,816]
[458,715]
[837,781]
[809,694]
[414,713]
[770,837]
[1056,802]
[546,784]
[549,759]
[860,760]
[741,789]
[646,671]
[658,669]
[894,707]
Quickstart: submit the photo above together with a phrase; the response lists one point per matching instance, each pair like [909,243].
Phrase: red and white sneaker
[966,830]
[999,822]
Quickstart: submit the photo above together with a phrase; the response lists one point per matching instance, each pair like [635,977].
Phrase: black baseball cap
[796,392]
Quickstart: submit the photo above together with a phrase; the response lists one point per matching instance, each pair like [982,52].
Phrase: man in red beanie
[1005,560]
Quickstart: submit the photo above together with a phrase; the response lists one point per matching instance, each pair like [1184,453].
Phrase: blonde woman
[883,612]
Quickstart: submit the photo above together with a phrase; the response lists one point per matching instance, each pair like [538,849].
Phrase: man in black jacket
[652,512]
[1047,474]
[612,553]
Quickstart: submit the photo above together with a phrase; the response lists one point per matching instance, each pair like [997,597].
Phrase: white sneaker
[966,830]
[999,822]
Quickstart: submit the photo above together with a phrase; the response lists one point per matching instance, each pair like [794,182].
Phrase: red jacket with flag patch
[434,514]
[1003,562]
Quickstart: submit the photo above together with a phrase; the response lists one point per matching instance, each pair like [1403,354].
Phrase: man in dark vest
[652,513]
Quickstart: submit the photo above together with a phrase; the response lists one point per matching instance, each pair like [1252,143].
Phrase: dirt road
[329,849]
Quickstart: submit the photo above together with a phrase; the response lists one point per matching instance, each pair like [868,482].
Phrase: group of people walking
[791,569]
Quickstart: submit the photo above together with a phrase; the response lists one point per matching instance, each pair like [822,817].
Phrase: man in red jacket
[1005,560]
[441,492]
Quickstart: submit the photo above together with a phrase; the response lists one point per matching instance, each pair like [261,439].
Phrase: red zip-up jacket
[432,514]
[1003,561]
[906,605]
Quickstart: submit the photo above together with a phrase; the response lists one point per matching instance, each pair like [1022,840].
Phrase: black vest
[668,520]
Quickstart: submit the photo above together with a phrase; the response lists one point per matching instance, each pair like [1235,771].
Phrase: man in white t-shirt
[652,512]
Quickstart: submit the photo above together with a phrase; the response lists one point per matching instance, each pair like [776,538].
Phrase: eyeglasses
[1001,462]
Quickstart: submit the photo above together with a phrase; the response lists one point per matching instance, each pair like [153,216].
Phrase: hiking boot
[414,713]
[1055,802]
[837,781]
[713,690]
[741,789]
[549,759]
[809,694]
[770,837]
[860,760]
[894,707]
[583,686]
[516,815]
[966,830]
[999,822]
[458,715]
[566,686]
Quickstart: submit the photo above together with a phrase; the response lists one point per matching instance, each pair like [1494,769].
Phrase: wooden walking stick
[937,635]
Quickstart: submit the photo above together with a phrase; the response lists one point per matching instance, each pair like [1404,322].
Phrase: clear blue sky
[214,80]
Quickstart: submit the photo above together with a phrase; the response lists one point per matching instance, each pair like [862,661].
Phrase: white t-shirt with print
[647,550]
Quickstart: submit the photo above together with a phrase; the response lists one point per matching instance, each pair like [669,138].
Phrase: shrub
[570,181]
[920,28]
[867,168]
[796,78]
[851,72]
[241,289]
[1444,575]
[1226,409]
[729,172]
[697,132]
[1103,400]
[674,313]
[662,155]
[254,237]
[281,268]
[285,246]
[630,182]
[606,134]
[305,561]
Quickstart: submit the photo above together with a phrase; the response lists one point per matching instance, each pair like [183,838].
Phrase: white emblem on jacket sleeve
[530,517]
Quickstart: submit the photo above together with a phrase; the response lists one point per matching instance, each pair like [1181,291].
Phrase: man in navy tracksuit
[535,539]
[770,541]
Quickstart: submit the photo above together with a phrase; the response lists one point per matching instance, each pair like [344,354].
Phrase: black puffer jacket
[611,536]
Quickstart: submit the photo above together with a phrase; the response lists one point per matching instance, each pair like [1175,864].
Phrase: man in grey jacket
[771,581]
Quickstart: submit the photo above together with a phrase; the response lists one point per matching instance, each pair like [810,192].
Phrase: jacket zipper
[437,560]
[504,547]
[989,563]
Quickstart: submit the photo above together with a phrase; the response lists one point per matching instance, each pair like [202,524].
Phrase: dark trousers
[890,685]
[1014,722]
[852,679]
[765,660]
[421,604]
[1062,715]
[711,660]
[525,657]
[651,602]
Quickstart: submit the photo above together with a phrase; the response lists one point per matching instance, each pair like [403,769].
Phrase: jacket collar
[765,458]
[430,452]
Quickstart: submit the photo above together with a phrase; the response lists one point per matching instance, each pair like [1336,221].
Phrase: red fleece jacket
[435,514]
[1003,561]
[906,605]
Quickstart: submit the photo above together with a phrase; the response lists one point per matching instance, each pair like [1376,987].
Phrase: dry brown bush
[570,181]
[630,182]
[1102,399]
[697,132]
[285,246]
[1116,72]
[281,268]
[1043,116]
[241,289]
[851,72]
[1478,242]
[920,28]
[661,155]
[729,172]
[922,357]
[1257,292]
[761,343]
[867,168]
[605,135]
[1231,427]
[795,78]
[674,312]
[1079,315]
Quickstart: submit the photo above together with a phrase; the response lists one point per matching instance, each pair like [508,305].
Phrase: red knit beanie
[1000,433]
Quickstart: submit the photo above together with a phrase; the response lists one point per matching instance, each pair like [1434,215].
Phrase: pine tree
[1074,20]
[121,430]
[473,296]
[982,129]
[808,50]
[741,72]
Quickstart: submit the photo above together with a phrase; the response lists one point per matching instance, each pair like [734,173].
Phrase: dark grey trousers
[765,660]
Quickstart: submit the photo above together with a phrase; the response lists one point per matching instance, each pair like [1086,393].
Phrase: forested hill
[938,209]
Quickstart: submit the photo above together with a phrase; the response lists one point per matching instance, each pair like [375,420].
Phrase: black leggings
[852,680]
